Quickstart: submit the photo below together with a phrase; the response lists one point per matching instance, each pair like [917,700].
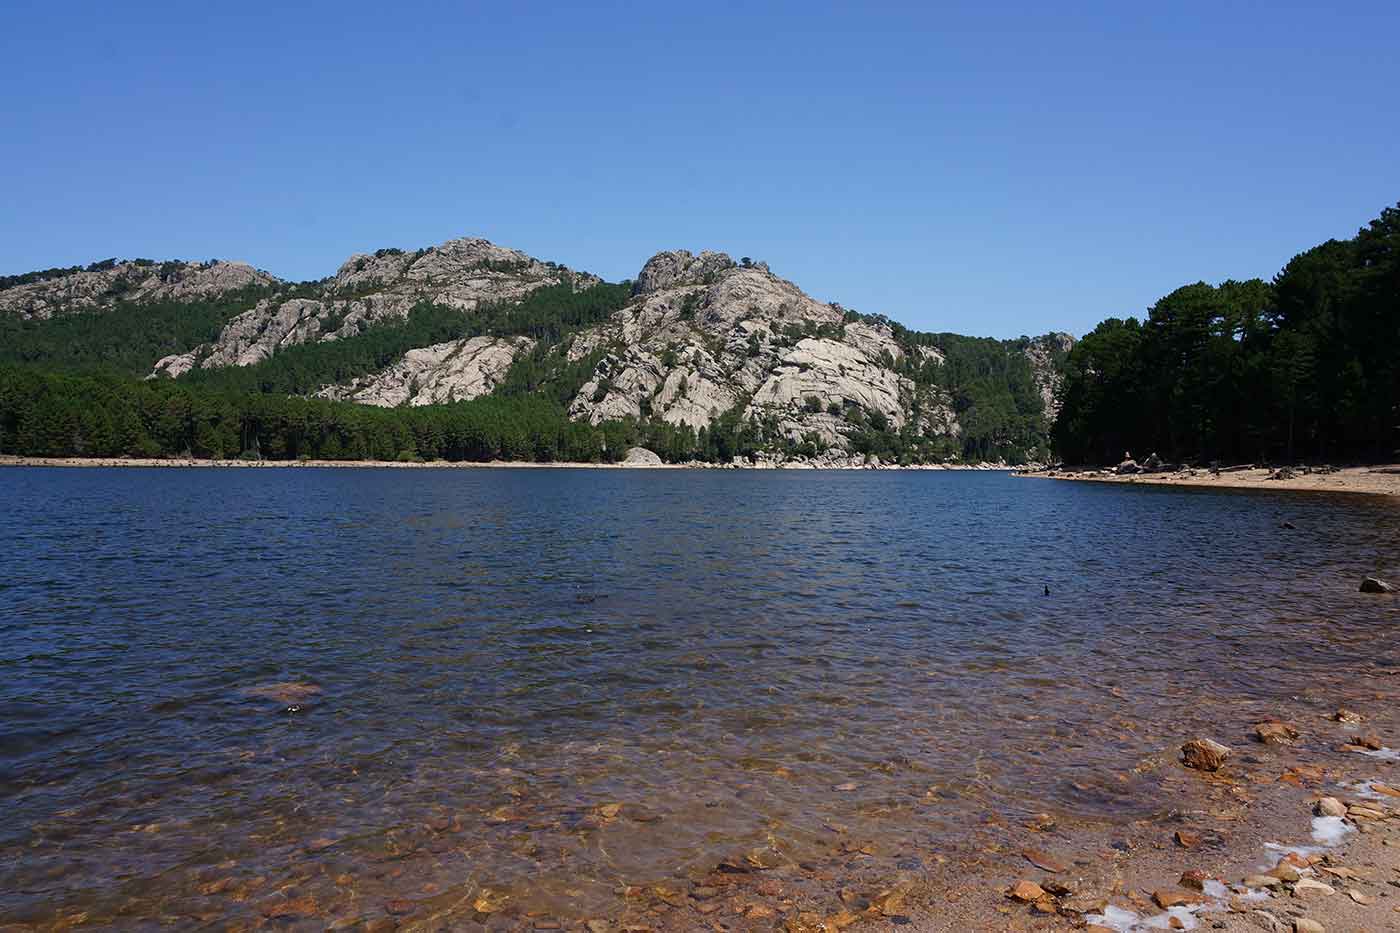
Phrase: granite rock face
[706,335]
[456,371]
[1043,353]
[368,289]
[100,289]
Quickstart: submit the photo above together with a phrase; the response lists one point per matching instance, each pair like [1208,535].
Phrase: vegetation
[1303,366]
[52,414]
[128,338]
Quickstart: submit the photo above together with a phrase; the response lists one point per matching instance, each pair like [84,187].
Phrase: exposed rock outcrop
[707,336]
[463,274]
[455,371]
[1045,353]
[102,286]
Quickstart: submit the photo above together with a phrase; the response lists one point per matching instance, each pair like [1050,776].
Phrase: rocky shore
[1374,480]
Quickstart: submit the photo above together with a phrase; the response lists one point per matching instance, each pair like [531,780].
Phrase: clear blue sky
[986,168]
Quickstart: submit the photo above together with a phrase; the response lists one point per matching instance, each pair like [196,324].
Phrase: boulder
[641,457]
[1204,754]
[1375,585]
[1128,467]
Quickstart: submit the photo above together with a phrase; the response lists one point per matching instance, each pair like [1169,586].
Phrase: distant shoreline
[193,463]
[1365,480]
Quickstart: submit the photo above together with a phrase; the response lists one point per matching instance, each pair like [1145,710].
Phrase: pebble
[1347,715]
[1304,925]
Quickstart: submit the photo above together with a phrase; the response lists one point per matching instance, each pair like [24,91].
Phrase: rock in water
[1275,733]
[641,457]
[1204,754]
[1375,585]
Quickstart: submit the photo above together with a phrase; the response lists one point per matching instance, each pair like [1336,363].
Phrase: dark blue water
[263,678]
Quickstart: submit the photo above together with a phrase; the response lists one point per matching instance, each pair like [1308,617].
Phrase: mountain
[701,357]
[103,285]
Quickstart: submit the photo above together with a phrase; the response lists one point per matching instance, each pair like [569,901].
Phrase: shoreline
[8,460]
[1361,480]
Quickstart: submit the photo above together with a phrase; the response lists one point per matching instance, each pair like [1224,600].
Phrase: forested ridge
[1306,366]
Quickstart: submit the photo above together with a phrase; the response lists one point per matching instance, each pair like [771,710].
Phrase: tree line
[1304,366]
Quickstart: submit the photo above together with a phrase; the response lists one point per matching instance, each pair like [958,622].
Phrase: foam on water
[1383,753]
[1329,830]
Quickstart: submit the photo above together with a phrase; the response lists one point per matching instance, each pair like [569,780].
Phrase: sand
[1370,480]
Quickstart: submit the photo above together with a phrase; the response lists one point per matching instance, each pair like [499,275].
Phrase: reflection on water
[377,692]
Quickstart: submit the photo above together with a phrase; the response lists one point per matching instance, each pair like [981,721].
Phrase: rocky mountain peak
[678,267]
[102,285]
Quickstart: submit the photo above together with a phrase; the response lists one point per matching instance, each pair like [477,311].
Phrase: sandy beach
[1382,480]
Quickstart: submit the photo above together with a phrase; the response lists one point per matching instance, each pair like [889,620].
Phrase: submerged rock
[1375,585]
[1275,733]
[1204,754]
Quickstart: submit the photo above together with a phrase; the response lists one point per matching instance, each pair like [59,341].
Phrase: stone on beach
[1305,925]
[1347,715]
[1331,806]
[1204,754]
[1307,888]
[1025,891]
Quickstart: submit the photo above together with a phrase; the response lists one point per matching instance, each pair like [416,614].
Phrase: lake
[398,692]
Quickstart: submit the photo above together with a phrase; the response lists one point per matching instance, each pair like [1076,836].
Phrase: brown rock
[1166,899]
[1284,872]
[1025,891]
[1308,888]
[1305,925]
[1186,839]
[1330,806]
[1195,879]
[1347,715]
[1372,742]
[1275,733]
[1043,860]
[290,907]
[1386,789]
[1204,754]
[1364,900]
[805,923]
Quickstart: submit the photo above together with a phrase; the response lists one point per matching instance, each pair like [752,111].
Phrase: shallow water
[742,660]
